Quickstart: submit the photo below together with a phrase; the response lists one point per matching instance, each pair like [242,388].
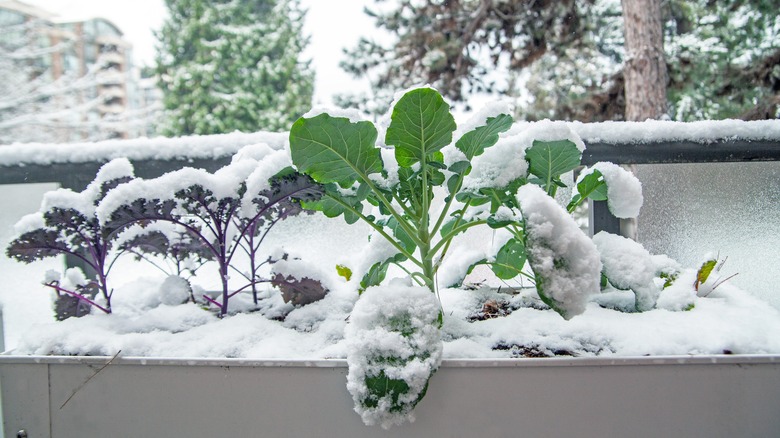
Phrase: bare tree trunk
[644,71]
[645,66]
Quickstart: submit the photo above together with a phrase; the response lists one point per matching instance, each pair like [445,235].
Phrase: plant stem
[379,230]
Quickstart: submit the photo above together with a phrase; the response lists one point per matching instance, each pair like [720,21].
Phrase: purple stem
[212,301]
[78,296]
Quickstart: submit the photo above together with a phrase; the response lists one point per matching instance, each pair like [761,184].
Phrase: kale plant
[67,224]
[181,252]
[225,212]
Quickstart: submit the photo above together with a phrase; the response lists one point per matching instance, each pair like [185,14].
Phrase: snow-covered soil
[479,323]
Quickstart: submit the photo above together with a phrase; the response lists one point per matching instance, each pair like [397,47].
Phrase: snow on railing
[74,165]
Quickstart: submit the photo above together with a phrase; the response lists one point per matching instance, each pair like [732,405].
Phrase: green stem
[378,230]
[454,232]
[447,206]
[401,220]
[449,241]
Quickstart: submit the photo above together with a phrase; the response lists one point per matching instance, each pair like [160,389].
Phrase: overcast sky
[332,26]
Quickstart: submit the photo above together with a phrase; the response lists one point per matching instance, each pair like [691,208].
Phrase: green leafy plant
[421,205]
[399,203]
[343,156]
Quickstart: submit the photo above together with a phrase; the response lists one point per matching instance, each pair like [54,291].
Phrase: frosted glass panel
[728,208]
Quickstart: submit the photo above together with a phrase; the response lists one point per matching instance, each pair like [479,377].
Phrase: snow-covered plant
[478,178]
[297,280]
[68,224]
[708,276]
[181,252]
[227,212]
[394,346]
[629,266]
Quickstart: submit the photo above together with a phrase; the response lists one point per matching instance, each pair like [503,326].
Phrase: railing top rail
[74,165]
[140,149]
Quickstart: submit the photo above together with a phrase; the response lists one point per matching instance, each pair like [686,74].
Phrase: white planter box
[698,396]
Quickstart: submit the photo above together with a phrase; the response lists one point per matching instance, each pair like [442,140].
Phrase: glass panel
[728,208]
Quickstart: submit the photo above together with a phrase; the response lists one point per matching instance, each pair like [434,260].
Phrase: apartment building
[78,76]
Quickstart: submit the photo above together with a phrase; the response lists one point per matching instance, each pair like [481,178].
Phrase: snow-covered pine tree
[564,59]
[228,65]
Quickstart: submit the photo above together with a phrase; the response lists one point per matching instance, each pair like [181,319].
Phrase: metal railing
[77,175]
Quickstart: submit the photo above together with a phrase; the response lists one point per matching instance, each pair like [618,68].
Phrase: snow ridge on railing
[158,148]
[224,145]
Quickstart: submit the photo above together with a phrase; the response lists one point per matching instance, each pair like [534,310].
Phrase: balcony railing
[75,165]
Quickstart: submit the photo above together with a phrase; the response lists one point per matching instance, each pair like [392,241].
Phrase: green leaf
[420,125]
[452,184]
[476,198]
[436,178]
[550,159]
[460,168]
[494,223]
[473,143]
[335,150]
[344,271]
[330,206]
[593,186]
[375,275]
[403,237]
[509,260]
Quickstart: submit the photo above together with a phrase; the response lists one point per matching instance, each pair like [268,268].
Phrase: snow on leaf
[473,143]
[564,260]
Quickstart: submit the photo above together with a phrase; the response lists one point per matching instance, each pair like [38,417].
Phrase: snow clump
[566,262]
[393,347]
[628,265]
[624,191]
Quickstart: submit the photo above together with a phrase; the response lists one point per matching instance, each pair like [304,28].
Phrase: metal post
[601,219]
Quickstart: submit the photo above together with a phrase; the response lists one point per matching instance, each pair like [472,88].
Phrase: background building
[67,80]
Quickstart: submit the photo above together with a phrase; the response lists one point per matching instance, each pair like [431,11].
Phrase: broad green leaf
[550,159]
[330,206]
[375,275]
[435,177]
[509,260]
[473,143]
[335,150]
[494,223]
[452,184]
[420,125]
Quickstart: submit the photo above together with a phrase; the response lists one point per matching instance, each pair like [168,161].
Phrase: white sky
[332,26]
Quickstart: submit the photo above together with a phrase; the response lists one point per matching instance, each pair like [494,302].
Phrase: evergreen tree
[564,59]
[229,65]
